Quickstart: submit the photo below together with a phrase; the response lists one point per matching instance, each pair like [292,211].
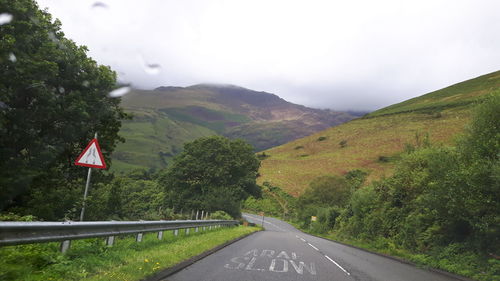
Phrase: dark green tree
[326,191]
[53,97]
[212,173]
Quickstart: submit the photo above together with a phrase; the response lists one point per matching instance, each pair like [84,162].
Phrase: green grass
[152,139]
[215,120]
[457,95]
[90,259]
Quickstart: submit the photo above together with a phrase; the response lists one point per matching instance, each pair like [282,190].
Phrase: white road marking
[303,240]
[345,271]
[313,246]
[338,265]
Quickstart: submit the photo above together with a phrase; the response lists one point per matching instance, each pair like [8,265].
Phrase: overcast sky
[359,55]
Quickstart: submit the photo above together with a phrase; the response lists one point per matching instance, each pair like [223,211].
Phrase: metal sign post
[91,157]
[82,213]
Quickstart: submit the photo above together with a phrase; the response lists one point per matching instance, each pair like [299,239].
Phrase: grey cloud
[359,55]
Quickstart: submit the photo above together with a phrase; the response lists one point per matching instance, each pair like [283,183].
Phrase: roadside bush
[220,215]
[438,196]
[343,143]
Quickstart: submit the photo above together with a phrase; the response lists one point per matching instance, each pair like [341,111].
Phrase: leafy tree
[212,173]
[132,196]
[53,97]
[324,198]
[326,191]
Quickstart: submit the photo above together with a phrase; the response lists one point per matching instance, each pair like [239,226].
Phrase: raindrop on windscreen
[61,89]
[12,57]
[152,68]
[99,5]
[53,37]
[5,18]
[3,105]
[119,92]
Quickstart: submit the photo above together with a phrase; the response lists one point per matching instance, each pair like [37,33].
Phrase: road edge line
[180,266]
[401,260]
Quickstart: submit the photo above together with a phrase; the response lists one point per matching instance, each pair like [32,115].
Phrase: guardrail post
[65,246]
[138,237]
[110,240]
[15,233]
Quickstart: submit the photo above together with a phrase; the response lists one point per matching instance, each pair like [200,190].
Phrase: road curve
[283,253]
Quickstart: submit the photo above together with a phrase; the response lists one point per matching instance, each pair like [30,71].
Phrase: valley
[167,117]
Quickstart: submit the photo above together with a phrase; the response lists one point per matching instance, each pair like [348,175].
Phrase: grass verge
[90,259]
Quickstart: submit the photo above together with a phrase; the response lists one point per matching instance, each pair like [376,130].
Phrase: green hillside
[373,143]
[457,95]
[167,117]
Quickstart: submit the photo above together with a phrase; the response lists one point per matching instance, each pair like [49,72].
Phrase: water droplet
[152,68]
[53,37]
[61,89]
[12,57]
[149,68]
[119,92]
[99,5]
[3,105]
[5,18]
[85,83]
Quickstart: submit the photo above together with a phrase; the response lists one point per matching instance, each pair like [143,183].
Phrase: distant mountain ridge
[167,117]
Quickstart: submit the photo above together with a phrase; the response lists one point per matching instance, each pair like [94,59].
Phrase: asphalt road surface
[283,253]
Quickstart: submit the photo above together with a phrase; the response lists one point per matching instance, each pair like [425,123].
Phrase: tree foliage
[324,198]
[438,196]
[132,196]
[212,173]
[53,97]
[326,191]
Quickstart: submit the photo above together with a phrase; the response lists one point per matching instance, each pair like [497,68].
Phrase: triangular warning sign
[91,156]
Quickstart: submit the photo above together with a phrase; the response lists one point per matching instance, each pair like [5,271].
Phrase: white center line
[303,240]
[313,246]
[345,271]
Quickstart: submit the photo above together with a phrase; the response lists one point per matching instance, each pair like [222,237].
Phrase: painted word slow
[271,260]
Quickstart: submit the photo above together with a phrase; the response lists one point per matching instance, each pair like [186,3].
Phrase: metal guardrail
[16,233]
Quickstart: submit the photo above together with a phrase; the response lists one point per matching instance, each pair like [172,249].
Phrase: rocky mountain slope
[167,117]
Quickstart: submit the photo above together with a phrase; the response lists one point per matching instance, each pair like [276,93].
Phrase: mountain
[167,117]
[374,142]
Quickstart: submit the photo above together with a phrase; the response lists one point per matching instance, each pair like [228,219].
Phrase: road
[283,253]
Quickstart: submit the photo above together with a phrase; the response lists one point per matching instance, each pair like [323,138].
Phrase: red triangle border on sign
[103,166]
